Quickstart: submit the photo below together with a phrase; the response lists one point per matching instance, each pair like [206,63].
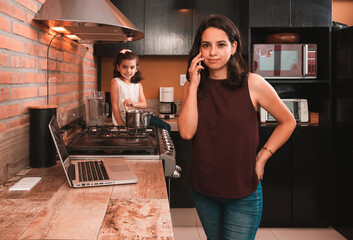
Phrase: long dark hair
[236,68]
[126,54]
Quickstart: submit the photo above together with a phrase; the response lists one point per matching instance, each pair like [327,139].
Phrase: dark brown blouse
[225,144]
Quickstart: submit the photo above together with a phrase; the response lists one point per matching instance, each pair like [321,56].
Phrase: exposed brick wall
[23,65]
[23,75]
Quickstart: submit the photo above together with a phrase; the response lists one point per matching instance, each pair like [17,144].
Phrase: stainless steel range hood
[93,21]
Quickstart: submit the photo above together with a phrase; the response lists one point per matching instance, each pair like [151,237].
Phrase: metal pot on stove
[137,119]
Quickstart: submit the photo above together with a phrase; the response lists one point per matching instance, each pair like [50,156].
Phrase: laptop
[90,172]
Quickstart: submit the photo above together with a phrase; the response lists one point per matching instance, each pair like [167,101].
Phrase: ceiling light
[59,29]
[73,37]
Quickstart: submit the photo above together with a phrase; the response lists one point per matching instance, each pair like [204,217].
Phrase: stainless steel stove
[112,141]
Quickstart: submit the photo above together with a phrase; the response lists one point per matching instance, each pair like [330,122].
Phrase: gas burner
[151,143]
[115,139]
[115,131]
[137,132]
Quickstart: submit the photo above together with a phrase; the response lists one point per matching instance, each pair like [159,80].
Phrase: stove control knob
[178,168]
[176,174]
[167,148]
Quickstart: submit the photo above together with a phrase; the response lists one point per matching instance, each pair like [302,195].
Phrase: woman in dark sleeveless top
[219,113]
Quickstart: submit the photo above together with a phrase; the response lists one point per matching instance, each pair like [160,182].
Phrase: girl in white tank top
[126,90]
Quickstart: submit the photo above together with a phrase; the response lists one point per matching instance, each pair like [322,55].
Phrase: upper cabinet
[235,10]
[203,8]
[170,28]
[311,13]
[136,14]
[290,13]
[167,29]
[269,13]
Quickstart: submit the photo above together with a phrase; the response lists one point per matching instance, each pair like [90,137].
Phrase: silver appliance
[298,107]
[92,21]
[285,61]
[132,144]
[167,107]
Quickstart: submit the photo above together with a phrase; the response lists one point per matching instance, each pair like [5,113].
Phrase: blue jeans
[231,219]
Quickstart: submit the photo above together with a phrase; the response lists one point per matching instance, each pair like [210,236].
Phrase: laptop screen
[59,142]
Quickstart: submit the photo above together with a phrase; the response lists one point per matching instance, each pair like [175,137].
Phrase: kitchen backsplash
[70,115]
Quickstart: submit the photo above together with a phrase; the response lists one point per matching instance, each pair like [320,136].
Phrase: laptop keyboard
[71,171]
[92,171]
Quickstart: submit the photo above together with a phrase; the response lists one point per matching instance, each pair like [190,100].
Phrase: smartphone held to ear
[199,63]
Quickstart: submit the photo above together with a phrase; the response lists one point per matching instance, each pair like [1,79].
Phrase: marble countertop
[53,210]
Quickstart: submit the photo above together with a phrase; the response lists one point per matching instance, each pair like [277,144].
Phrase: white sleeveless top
[125,92]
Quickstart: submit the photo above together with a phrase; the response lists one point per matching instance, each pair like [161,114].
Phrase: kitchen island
[53,210]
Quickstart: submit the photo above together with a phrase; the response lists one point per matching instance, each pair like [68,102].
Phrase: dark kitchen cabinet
[269,13]
[136,14]
[296,180]
[311,153]
[342,164]
[276,184]
[290,13]
[296,187]
[168,29]
[341,168]
[235,10]
[307,153]
[228,8]
[311,20]
[311,13]
[180,190]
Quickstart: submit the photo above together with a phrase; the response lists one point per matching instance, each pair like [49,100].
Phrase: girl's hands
[128,102]
[194,70]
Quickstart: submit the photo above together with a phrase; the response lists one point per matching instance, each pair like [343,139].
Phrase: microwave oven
[298,107]
[285,61]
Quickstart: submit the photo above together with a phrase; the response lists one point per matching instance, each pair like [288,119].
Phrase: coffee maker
[167,107]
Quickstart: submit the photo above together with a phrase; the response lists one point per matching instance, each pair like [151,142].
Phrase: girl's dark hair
[237,69]
[126,54]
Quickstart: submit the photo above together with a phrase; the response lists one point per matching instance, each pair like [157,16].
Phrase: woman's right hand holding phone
[188,117]
[194,70]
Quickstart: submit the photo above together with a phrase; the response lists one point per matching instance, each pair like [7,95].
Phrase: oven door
[273,61]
